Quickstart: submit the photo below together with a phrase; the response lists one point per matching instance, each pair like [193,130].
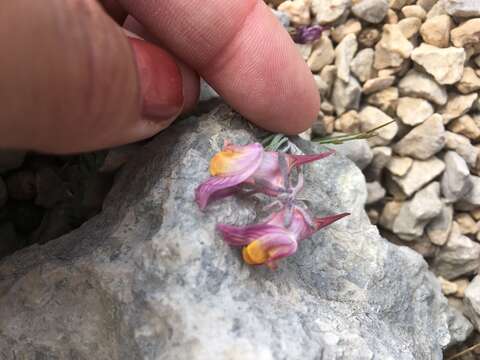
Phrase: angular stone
[459,256]
[346,96]
[322,54]
[463,8]
[369,37]
[351,26]
[472,302]
[469,82]
[417,84]
[457,105]
[375,192]
[426,4]
[465,125]
[357,151]
[298,11]
[392,48]
[399,166]
[372,11]
[348,122]
[467,33]
[437,9]
[456,182]
[436,30]
[392,17]
[463,147]
[390,213]
[149,277]
[424,140]
[344,53]
[328,11]
[413,111]
[466,223]
[377,84]
[371,117]
[416,213]
[381,157]
[438,230]
[328,75]
[362,65]
[444,64]
[420,173]
[305,50]
[414,11]
[472,199]
[398,4]
[410,26]
[386,100]
[448,287]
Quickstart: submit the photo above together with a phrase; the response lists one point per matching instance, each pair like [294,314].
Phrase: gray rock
[149,279]
[328,11]
[472,301]
[372,11]
[417,84]
[357,150]
[207,93]
[462,146]
[459,256]
[399,166]
[346,96]
[362,65]
[420,173]
[460,327]
[416,213]
[344,53]
[10,160]
[463,8]
[471,200]
[375,192]
[377,84]
[381,157]
[438,230]
[3,193]
[424,140]
[456,182]
[372,118]
[413,111]
[457,106]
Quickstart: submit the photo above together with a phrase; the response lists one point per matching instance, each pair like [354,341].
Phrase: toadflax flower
[250,168]
[308,34]
[271,240]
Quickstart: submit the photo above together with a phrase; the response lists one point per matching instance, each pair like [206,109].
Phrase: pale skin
[75,78]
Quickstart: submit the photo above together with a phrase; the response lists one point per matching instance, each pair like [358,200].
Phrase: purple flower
[250,168]
[308,34]
[271,240]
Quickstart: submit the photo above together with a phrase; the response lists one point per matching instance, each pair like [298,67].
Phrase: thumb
[72,81]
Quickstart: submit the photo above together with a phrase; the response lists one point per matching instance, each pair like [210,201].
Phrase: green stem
[357,136]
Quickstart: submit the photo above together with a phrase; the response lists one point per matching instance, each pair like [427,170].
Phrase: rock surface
[413,111]
[149,278]
[472,302]
[423,141]
[417,84]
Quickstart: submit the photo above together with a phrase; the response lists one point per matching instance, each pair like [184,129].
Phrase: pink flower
[271,240]
[252,168]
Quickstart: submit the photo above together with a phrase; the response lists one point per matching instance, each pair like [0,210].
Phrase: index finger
[242,51]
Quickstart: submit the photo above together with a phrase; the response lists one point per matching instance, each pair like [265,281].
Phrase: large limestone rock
[150,279]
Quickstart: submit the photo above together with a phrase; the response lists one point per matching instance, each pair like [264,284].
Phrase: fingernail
[161,84]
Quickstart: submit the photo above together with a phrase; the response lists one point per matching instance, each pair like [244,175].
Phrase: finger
[241,50]
[80,84]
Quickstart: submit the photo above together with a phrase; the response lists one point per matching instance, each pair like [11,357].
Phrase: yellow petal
[254,254]
[223,162]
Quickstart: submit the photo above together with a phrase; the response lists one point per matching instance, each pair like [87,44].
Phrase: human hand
[72,80]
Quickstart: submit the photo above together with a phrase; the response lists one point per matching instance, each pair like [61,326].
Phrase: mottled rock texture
[150,279]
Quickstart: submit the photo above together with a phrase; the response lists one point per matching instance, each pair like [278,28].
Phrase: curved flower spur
[250,169]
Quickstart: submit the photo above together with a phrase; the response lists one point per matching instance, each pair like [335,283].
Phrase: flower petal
[272,245]
[297,160]
[321,222]
[244,235]
[215,188]
[235,160]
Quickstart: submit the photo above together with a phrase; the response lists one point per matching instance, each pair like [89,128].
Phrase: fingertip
[191,87]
